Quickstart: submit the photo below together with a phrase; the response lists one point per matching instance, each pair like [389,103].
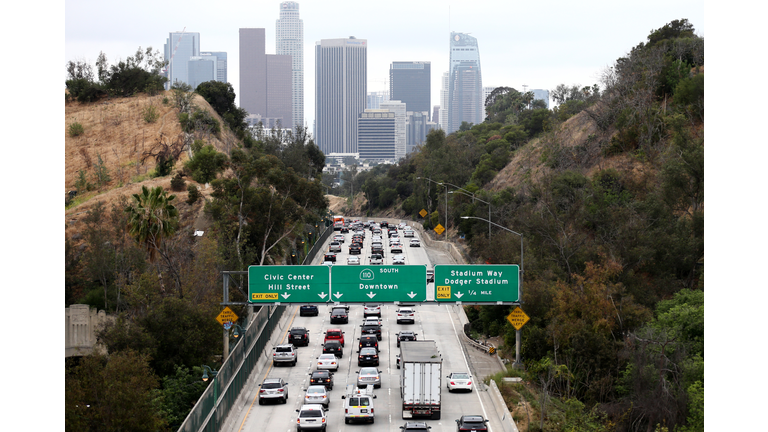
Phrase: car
[328,362]
[401,225]
[377,248]
[396,248]
[273,389]
[328,263]
[329,257]
[384,224]
[321,377]
[311,417]
[405,336]
[358,404]
[333,347]
[284,353]
[405,315]
[355,249]
[376,259]
[392,232]
[367,376]
[299,336]
[414,243]
[338,238]
[468,423]
[407,233]
[334,334]
[334,247]
[397,358]
[317,394]
[459,381]
[430,276]
[344,229]
[372,309]
[368,356]
[339,315]
[368,341]
[308,310]
[415,426]
[394,237]
[371,327]
[398,259]
[353,260]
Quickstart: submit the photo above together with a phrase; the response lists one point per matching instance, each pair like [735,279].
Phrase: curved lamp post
[206,371]
[518,340]
[446,202]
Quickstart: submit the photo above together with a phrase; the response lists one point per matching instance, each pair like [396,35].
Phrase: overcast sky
[536,43]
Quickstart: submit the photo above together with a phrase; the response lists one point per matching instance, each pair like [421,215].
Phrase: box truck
[420,375]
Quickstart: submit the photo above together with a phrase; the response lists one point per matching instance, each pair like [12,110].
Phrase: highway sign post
[379,283]
[289,284]
[486,283]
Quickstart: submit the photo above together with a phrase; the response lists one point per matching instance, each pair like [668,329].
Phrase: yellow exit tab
[443,292]
[265,296]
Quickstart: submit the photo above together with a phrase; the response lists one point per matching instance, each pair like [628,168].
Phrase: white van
[358,404]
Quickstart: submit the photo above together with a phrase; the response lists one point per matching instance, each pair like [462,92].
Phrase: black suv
[371,327]
[339,315]
[355,249]
[369,341]
[322,377]
[299,336]
[333,347]
[308,310]
[368,357]
[405,336]
[471,423]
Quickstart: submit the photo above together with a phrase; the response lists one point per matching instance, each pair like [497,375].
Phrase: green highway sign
[288,284]
[379,283]
[479,283]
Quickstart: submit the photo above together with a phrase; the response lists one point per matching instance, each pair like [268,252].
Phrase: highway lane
[435,322]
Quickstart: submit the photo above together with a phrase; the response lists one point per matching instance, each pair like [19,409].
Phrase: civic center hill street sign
[486,283]
[288,284]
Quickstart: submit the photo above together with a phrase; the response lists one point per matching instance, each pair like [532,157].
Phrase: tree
[206,164]
[112,394]
[152,218]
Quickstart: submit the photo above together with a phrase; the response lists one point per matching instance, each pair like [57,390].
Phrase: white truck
[420,375]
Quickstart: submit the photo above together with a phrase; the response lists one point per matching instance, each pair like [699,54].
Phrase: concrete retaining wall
[501,407]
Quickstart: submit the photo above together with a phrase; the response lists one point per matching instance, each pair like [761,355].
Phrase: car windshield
[460,376]
[283,349]
[310,413]
[320,374]
[316,390]
[333,334]
[327,357]
[368,371]
[296,331]
[271,385]
[367,351]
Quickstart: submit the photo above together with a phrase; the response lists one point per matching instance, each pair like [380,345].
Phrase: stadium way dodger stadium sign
[477,283]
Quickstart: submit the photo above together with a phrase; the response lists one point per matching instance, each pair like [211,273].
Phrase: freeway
[435,322]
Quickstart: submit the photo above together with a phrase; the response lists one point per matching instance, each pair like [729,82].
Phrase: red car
[334,334]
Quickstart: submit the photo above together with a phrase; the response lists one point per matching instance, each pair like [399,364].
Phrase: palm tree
[152,218]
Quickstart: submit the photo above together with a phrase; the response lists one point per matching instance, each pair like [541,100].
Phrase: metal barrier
[318,246]
[217,400]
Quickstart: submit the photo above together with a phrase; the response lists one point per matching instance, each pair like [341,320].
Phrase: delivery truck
[420,375]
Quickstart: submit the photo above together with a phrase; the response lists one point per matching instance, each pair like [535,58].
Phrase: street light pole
[489,209]
[518,333]
[446,202]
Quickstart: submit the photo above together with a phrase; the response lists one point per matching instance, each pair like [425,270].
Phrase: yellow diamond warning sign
[518,318]
[443,292]
[227,315]
[423,213]
[439,229]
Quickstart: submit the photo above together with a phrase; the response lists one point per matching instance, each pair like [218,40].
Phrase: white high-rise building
[341,75]
[179,48]
[399,109]
[290,41]
[443,121]
[465,83]
[540,94]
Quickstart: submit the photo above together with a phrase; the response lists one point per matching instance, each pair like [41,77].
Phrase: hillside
[115,131]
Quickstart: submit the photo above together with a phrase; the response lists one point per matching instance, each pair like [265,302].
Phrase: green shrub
[165,101]
[150,113]
[84,90]
[193,194]
[177,183]
[81,184]
[76,129]
[206,164]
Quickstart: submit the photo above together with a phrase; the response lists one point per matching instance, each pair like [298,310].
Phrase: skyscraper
[443,119]
[541,94]
[221,64]
[409,83]
[341,85]
[399,109]
[178,49]
[376,135]
[265,80]
[465,83]
[290,41]
[201,69]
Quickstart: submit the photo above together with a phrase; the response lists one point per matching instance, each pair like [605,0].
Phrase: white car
[459,381]
[398,259]
[415,243]
[372,309]
[317,394]
[368,376]
[353,260]
[311,416]
[401,225]
[405,315]
[396,248]
[407,233]
[376,259]
[339,238]
[328,362]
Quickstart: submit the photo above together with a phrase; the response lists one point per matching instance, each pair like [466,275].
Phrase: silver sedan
[369,375]
[317,394]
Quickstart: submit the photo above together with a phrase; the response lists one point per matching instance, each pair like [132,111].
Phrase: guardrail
[318,246]
[217,401]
